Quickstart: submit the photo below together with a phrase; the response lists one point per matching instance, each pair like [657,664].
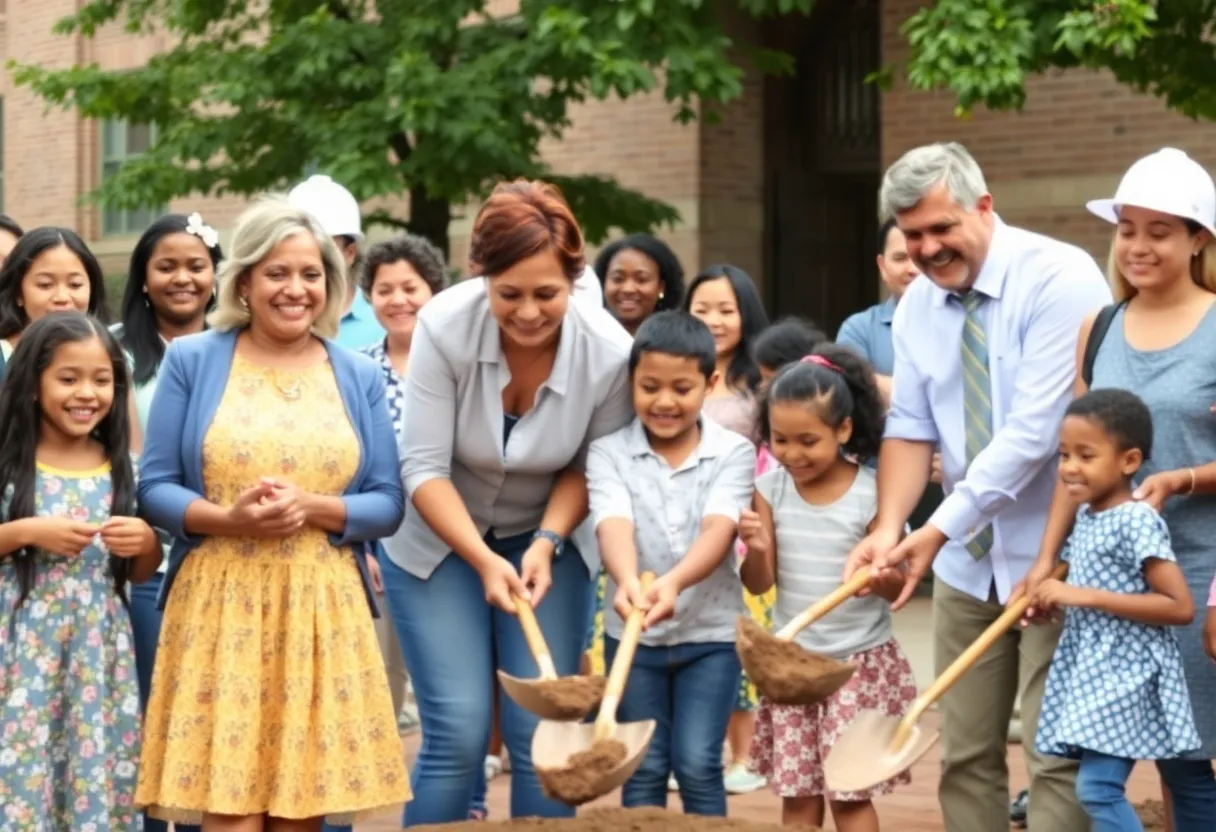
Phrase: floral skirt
[792,741]
[269,694]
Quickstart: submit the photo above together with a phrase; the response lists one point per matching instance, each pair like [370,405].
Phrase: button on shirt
[869,332]
[1037,291]
[453,422]
[667,506]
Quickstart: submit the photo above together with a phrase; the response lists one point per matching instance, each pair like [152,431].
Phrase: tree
[436,98]
[983,50]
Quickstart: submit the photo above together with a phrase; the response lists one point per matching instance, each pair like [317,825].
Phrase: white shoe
[740,780]
[493,767]
[672,785]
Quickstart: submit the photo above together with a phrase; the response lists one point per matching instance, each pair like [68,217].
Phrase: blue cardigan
[193,376]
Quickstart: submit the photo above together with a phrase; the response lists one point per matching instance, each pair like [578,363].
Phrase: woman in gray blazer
[509,383]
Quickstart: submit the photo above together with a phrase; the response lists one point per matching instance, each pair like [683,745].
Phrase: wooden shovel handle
[605,722]
[534,637]
[825,605]
[1011,616]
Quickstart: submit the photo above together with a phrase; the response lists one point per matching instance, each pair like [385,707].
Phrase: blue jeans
[453,643]
[1102,780]
[145,626]
[689,690]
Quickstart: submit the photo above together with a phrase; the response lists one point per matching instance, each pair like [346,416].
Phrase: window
[121,142]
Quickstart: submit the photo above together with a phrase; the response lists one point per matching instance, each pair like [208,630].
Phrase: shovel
[877,747]
[549,697]
[786,673]
[577,762]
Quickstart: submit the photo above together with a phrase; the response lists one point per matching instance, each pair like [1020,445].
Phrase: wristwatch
[552,537]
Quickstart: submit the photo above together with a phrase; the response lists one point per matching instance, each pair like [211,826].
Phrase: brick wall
[1076,135]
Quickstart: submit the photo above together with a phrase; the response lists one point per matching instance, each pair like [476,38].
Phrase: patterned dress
[1116,686]
[69,699]
[269,694]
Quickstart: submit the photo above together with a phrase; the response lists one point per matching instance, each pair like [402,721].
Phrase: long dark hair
[13,318]
[743,373]
[21,416]
[140,333]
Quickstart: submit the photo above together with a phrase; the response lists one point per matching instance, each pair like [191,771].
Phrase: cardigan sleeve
[163,497]
[377,508]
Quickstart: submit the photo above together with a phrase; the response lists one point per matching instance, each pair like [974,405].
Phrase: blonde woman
[272,462]
[1158,340]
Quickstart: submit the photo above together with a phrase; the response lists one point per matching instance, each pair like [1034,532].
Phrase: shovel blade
[554,742]
[862,758]
[535,696]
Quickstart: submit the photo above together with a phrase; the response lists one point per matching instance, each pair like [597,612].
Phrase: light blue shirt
[667,506]
[869,332]
[1037,292]
[359,327]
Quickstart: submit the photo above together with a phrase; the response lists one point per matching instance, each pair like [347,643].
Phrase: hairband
[822,362]
[200,229]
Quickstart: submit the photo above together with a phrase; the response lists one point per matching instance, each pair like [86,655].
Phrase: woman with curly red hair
[509,383]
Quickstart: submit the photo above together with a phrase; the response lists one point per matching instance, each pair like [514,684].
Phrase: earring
[661,294]
[245,303]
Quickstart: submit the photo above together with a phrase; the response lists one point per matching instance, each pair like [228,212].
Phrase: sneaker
[407,720]
[1017,809]
[740,780]
[493,767]
[672,785]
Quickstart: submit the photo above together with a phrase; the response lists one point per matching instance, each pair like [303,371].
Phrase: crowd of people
[282,510]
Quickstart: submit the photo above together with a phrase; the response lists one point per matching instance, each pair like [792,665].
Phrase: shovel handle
[1011,616]
[859,581]
[534,637]
[605,721]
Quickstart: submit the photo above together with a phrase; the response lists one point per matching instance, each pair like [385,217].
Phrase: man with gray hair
[985,359]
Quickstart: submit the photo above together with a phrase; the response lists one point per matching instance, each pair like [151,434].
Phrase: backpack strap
[1097,334]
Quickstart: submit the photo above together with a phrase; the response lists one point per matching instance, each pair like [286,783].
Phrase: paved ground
[913,809]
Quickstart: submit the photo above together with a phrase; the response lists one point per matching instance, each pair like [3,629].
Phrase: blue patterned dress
[1116,686]
[69,699]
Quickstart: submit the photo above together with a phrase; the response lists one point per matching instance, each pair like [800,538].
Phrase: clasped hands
[273,508]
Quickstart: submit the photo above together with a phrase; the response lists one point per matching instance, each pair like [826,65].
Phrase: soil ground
[911,809]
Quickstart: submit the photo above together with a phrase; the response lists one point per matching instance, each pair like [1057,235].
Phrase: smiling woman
[270,465]
[508,383]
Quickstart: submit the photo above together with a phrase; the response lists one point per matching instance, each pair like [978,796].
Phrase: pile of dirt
[578,781]
[1152,815]
[571,697]
[783,671]
[619,820]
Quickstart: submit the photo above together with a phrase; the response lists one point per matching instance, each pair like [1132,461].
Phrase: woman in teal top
[170,289]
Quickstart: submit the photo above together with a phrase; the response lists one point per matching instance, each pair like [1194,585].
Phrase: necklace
[292,390]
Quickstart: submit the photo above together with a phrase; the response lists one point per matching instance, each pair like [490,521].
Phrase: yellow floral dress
[269,694]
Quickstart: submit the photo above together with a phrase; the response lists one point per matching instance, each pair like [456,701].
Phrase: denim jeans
[453,643]
[145,625]
[1102,780]
[689,690]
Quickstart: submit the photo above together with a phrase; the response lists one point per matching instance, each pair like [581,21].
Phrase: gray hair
[262,226]
[922,169]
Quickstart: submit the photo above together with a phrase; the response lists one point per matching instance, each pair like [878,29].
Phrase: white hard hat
[1168,181]
[334,207]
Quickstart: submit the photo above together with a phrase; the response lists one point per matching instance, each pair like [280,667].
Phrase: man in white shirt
[985,357]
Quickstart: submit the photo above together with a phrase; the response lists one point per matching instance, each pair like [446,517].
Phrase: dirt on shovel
[570,697]
[576,783]
[618,820]
[786,673]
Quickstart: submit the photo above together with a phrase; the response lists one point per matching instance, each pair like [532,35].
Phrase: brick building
[784,186]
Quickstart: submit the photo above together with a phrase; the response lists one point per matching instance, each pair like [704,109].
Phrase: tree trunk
[430,218]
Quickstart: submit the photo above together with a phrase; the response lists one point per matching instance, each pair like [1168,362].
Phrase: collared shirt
[394,385]
[359,327]
[454,416]
[1037,291]
[667,506]
[869,332]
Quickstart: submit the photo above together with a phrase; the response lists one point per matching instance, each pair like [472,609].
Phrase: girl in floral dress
[69,700]
[808,515]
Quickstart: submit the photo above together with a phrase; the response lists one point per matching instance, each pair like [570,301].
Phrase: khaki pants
[390,649]
[975,714]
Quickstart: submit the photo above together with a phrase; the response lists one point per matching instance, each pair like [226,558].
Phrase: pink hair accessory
[822,362]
